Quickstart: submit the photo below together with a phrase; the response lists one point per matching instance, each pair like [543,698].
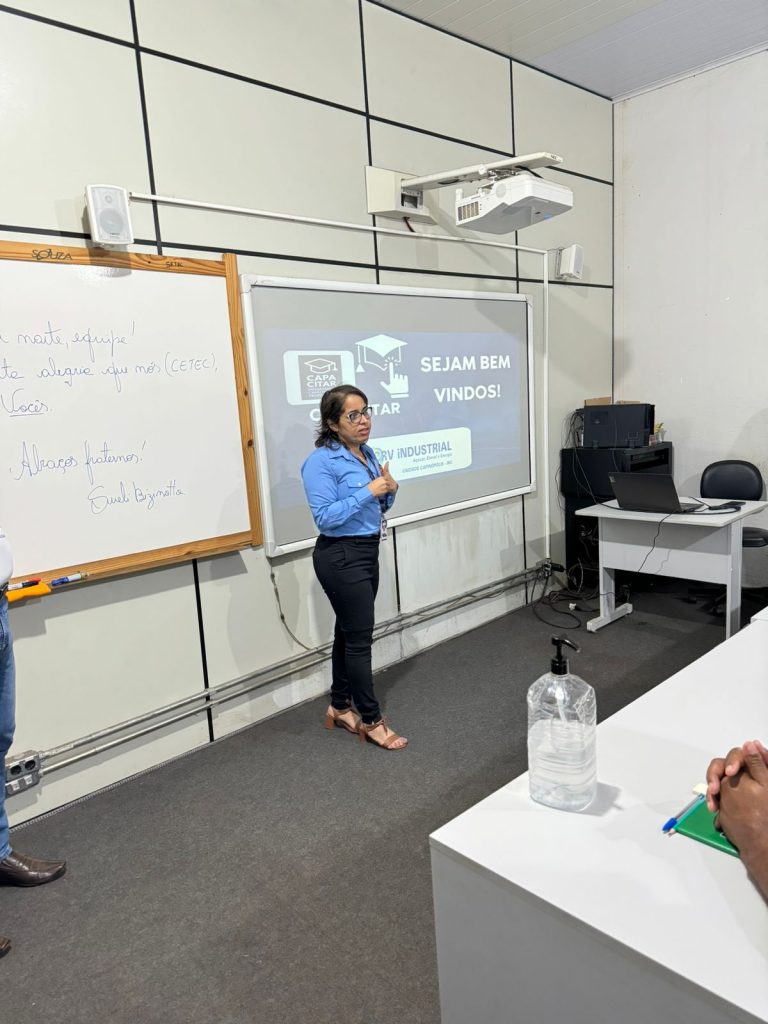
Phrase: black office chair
[742,481]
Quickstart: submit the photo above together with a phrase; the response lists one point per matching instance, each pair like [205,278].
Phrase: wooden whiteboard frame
[226,268]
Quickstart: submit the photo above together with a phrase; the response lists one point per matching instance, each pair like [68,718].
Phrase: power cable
[288,629]
[653,546]
[550,601]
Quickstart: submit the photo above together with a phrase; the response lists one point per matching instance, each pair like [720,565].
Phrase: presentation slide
[445,373]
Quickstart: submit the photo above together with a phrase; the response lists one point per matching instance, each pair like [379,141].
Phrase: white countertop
[680,903]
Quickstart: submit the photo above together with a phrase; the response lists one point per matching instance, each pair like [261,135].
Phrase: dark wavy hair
[331,408]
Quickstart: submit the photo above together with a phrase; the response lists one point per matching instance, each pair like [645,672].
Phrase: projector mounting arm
[495,170]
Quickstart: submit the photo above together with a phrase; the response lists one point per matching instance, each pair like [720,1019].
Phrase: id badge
[383,535]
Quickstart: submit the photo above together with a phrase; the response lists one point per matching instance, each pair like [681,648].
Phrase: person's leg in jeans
[15,868]
[7,716]
[327,558]
[341,695]
[7,702]
[358,584]
[344,569]
[350,581]
[354,596]
[361,587]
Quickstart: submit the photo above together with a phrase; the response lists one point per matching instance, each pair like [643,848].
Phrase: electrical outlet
[22,771]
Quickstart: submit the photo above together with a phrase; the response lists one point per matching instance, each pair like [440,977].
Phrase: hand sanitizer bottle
[562,716]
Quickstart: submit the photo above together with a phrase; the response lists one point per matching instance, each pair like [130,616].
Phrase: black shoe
[5,946]
[17,869]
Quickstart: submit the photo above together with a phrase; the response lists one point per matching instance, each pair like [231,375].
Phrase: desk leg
[609,611]
[733,586]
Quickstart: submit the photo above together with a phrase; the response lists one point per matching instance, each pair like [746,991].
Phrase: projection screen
[449,375]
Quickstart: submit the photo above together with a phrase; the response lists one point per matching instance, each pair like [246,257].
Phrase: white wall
[691,331]
[275,106]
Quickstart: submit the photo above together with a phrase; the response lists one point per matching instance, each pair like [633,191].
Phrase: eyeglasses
[355,415]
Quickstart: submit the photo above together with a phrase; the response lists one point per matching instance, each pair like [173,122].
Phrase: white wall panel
[102,653]
[589,223]
[253,39]
[580,332]
[553,117]
[412,279]
[692,263]
[412,151]
[446,556]
[110,17]
[242,626]
[448,627]
[58,133]
[429,79]
[314,271]
[225,141]
[275,267]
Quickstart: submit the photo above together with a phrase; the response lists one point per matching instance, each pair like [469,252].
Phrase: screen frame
[249,282]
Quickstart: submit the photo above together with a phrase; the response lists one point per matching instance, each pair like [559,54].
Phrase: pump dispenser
[562,723]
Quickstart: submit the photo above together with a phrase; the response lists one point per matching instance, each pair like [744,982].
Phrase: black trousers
[348,571]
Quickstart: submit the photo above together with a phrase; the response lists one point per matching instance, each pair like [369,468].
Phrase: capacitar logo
[308,375]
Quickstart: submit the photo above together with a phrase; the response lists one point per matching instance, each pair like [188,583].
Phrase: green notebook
[700,825]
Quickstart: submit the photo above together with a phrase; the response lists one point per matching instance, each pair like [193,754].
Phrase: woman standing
[349,494]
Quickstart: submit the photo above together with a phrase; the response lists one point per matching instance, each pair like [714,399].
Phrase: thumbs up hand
[392,484]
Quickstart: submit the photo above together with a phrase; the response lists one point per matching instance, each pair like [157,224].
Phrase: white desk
[545,916]
[694,546]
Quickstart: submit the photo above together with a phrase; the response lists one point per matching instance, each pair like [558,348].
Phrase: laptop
[649,492]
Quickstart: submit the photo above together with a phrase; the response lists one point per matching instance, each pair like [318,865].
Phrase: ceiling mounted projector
[510,198]
[509,204]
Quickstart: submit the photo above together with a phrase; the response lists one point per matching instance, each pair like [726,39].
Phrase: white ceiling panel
[613,47]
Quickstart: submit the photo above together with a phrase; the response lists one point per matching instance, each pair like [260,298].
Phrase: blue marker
[69,579]
[671,825]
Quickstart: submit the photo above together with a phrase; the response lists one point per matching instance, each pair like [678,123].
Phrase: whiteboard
[448,376]
[118,401]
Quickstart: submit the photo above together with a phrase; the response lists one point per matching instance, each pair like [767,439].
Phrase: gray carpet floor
[282,874]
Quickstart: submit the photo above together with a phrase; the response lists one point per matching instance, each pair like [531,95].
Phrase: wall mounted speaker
[109,215]
[570,262]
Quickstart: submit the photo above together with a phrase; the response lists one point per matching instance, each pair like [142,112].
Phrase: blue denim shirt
[336,485]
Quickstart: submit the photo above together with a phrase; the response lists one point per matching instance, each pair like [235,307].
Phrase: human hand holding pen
[727,767]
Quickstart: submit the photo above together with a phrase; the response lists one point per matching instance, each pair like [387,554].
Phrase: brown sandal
[333,719]
[364,731]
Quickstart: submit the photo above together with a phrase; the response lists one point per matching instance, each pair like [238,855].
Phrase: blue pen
[69,579]
[671,825]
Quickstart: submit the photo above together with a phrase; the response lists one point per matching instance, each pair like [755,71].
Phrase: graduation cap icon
[380,350]
[320,365]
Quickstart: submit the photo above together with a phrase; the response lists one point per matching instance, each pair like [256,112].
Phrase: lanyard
[373,476]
